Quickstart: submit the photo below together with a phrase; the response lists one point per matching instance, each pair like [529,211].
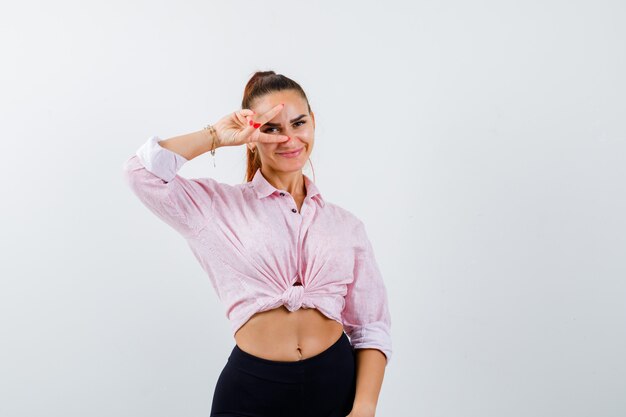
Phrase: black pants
[320,386]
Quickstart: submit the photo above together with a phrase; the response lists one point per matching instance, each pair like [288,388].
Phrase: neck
[292,182]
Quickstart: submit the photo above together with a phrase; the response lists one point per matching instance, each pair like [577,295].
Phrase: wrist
[363,405]
[211,138]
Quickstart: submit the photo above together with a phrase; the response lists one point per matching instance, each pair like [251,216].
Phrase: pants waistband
[338,351]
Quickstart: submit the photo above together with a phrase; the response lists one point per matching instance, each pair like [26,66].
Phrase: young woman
[293,270]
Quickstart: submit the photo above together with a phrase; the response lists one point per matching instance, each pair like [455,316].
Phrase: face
[300,131]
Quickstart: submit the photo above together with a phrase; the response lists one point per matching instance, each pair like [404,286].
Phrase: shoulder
[344,216]
[354,229]
[219,187]
[233,198]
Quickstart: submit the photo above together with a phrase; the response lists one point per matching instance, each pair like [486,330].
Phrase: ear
[313,118]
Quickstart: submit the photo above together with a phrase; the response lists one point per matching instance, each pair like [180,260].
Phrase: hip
[324,384]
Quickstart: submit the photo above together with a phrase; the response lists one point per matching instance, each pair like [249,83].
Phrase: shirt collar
[263,188]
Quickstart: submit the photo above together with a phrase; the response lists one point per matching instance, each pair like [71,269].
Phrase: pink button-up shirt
[255,245]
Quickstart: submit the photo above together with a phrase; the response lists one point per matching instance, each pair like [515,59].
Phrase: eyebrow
[291,121]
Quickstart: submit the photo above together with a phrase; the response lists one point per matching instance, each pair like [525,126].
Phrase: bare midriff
[283,335]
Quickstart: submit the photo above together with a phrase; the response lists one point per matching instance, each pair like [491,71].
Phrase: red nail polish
[251,123]
[256,125]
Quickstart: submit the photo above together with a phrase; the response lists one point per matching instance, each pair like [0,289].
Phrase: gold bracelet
[213,133]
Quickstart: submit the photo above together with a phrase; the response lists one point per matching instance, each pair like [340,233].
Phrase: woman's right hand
[242,126]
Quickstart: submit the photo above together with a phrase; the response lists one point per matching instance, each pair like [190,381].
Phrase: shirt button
[282,194]
[294,210]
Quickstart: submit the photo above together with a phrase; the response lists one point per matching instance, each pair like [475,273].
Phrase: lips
[291,154]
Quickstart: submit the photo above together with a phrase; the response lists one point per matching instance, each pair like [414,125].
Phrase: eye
[269,129]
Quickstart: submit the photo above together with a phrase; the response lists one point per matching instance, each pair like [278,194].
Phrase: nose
[289,132]
[295,140]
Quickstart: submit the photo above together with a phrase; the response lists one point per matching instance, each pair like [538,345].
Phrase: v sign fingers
[264,118]
[244,116]
[235,128]
[240,127]
[269,115]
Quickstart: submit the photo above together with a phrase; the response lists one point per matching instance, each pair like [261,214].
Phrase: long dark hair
[261,83]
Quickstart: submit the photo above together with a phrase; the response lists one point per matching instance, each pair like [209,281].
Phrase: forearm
[370,371]
[190,145]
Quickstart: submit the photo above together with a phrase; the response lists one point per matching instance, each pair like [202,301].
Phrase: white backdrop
[482,143]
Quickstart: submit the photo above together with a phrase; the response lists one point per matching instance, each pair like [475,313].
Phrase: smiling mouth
[291,153]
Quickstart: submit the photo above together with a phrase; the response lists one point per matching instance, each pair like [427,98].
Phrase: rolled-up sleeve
[184,204]
[366,315]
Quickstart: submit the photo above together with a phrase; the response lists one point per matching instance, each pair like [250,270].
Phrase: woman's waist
[282,335]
